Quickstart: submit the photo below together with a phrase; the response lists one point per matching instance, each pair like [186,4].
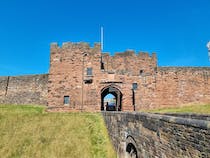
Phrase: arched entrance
[131,150]
[111,99]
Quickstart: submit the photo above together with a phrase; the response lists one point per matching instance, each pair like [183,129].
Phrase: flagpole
[102,39]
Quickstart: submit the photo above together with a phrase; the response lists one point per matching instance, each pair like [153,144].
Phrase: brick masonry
[161,136]
[31,89]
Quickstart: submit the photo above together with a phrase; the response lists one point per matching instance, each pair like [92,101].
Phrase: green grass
[199,109]
[28,131]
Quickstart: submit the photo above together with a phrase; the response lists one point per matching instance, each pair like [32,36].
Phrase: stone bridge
[145,135]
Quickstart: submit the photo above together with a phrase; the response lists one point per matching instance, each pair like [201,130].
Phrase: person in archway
[107,106]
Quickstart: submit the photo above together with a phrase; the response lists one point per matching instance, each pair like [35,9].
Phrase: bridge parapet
[154,135]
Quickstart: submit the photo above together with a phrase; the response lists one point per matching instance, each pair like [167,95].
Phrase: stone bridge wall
[31,89]
[159,136]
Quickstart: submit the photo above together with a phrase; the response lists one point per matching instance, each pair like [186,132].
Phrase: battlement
[97,46]
[184,69]
[131,53]
[125,53]
[130,62]
[77,45]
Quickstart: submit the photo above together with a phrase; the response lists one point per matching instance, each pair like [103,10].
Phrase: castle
[80,77]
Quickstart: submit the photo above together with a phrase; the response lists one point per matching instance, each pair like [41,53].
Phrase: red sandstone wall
[130,63]
[67,76]
[173,86]
[68,67]
[157,87]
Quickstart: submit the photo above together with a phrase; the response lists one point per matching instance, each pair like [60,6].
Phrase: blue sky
[177,30]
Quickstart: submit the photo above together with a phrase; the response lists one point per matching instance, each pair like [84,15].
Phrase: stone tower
[81,77]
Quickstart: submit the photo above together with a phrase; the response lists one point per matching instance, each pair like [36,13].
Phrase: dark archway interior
[131,150]
[118,96]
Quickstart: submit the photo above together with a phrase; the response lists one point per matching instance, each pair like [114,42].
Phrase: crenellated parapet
[130,62]
[71,54]
[127,62]
[78,45]
[177,69]
[132,53]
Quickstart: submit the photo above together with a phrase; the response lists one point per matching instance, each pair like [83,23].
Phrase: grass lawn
[199,109]
[29,132]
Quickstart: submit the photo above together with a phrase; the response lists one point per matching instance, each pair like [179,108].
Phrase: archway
[111,99]
[131,150]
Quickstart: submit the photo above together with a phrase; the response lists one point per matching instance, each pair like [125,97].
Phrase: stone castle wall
[131,63]
[155,135]
[68,66]
[31,89]
[173,86]
[68,74]
[157,86]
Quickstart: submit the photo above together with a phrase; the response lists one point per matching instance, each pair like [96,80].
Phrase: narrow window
[89,71]
[102,64]
[135,86]
[141,72]
[66,100]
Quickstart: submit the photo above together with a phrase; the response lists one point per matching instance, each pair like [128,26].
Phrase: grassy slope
[27,131]
[200,109]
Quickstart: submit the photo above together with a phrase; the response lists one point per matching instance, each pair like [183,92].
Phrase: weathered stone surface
[190,115]
[31,89]
[157,86]
[158,135]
